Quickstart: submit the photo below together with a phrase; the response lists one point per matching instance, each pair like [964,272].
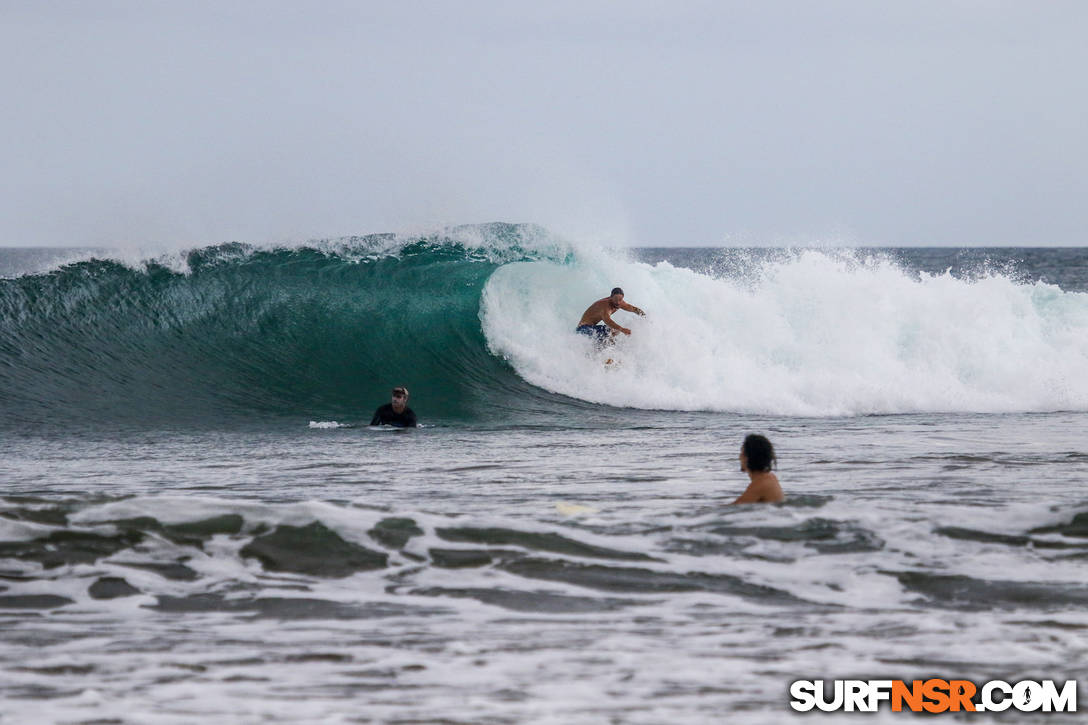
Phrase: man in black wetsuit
[396,413]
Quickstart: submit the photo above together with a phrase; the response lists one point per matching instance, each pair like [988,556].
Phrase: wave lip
[239,332]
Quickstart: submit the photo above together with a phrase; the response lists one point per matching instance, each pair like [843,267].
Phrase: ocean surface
[197,525]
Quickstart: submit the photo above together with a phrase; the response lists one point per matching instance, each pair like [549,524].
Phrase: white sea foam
[461,654]
[816,333]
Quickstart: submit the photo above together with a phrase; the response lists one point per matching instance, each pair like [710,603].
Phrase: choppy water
[177,542]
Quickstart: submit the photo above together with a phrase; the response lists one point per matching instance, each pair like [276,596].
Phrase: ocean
[197,523]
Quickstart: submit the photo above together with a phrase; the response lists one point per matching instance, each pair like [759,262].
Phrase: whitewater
[810,333]
[196,521]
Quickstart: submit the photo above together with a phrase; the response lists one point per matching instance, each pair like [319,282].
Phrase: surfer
[396,413]
[756,459]
[602,310]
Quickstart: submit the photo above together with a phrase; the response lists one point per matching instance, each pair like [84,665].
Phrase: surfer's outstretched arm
[632,308]
[614,325]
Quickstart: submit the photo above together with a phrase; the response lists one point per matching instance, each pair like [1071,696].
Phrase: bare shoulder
[771,489]
[764,489]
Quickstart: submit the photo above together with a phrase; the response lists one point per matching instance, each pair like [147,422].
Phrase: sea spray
[813,333]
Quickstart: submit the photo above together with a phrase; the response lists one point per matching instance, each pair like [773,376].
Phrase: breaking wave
[478,323]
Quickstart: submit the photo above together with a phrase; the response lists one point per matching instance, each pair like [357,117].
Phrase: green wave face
[320,331]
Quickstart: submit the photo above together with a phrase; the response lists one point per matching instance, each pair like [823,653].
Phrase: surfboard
[573,509]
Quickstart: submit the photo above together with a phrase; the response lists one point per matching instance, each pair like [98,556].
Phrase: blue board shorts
[600,332]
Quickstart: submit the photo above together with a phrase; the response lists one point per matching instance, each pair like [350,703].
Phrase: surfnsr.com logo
[933,696]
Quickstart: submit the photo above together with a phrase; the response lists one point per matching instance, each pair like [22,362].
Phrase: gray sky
[861,122]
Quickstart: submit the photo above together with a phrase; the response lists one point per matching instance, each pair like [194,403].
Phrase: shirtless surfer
[602,310]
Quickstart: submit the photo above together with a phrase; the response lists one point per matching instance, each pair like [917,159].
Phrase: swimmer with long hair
[757,459]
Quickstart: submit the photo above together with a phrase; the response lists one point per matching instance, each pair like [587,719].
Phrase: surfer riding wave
[601,311]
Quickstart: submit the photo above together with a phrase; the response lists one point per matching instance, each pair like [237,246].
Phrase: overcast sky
[859,122]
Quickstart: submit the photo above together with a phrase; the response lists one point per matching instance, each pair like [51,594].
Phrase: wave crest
[320,331]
